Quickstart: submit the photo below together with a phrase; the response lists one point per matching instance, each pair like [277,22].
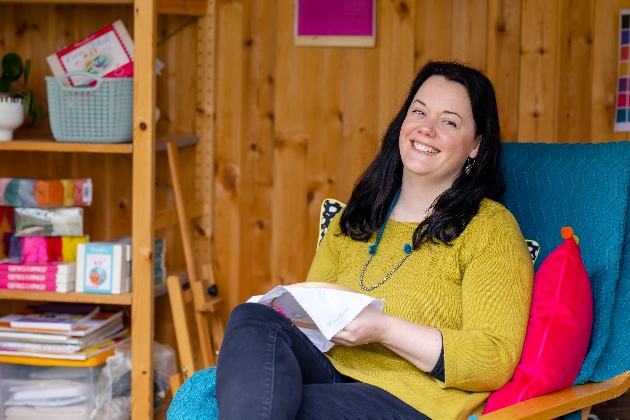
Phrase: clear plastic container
[28,391]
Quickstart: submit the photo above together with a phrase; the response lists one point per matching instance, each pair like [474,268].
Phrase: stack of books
[46,217]
[67,331]
[42,277]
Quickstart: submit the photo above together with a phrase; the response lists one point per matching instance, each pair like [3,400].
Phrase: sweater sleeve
[497,286]
[325,265]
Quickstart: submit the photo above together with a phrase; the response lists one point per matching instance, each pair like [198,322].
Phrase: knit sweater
[477,291]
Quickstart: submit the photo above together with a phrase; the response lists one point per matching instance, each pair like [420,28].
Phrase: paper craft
[320,310]
[106,53]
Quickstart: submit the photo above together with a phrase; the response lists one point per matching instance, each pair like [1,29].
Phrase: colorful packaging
[59,221]
[30,192]
[42,249]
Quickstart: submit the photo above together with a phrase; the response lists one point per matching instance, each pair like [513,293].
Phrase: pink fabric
[558,331]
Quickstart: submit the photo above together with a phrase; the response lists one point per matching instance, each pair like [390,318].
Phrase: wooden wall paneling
[228,165]
[324,126]
[296,89]
[109,215]
[395,45]
[604,70]
[503,56]
[434,34]
[538,71]
[360,105]
[470,19]
[574,71]
[204,127]
[176,86]
[258,143]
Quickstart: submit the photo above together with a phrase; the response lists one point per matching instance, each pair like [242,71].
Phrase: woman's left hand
[365,328]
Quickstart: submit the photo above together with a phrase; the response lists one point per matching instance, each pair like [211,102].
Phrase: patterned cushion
[330,207]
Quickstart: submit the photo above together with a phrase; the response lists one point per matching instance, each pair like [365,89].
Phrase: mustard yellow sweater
[477,292]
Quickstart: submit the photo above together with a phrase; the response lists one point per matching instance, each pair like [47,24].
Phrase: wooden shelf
[67,297]
[51,145]
[175,7]
[123,299]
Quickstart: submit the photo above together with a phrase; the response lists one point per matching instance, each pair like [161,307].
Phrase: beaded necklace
[372,251]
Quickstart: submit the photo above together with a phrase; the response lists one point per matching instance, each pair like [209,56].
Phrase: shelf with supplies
[126,174]
[105,299]
[50,145]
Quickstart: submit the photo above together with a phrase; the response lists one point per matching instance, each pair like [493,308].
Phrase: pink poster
[340,23]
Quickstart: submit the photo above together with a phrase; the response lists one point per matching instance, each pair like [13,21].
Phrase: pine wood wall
[295,125]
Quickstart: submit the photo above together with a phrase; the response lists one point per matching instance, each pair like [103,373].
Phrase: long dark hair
[455,207]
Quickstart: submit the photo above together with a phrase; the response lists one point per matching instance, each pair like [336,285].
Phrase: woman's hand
[365,328]
[419,344]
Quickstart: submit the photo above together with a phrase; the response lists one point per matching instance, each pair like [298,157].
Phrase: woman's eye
[418,112]
[451,123]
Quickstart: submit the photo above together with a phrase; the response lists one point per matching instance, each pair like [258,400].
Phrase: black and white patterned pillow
[534,249]
[330,207]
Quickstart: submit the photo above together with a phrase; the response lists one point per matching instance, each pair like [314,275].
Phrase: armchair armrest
[564,401]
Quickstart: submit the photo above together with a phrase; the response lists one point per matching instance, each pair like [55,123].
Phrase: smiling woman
[436,138]
[422,232]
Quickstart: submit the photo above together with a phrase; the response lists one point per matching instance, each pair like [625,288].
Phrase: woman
[421,230]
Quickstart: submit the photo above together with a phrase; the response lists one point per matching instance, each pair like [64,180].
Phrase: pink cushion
[558,331]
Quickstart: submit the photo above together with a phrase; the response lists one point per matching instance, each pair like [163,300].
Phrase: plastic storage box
[47,392]
[102,113]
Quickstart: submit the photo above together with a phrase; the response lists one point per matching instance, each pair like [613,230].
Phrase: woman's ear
[473,152]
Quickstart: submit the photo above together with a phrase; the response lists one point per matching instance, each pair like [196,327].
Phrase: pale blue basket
[102,113]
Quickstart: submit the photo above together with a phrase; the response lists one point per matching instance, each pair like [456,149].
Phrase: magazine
[64,348]
[92,327]
[84,354]
[55,316]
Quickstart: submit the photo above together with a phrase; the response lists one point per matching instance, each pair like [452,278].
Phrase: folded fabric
[45,249]
[29,192]
[59,221]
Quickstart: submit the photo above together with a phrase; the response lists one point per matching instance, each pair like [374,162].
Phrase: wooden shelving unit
[142,150]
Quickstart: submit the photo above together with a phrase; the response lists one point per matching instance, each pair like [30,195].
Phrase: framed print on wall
[335,23]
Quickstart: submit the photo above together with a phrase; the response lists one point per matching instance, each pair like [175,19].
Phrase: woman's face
[438,133]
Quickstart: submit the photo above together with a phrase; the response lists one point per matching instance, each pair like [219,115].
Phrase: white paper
[319,312]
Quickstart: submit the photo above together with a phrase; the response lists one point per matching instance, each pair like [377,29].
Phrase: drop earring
[469,165]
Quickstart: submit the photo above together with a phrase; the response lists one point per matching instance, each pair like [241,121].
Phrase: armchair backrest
[586,187]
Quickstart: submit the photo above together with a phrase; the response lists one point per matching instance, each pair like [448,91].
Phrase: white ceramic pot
[11,116]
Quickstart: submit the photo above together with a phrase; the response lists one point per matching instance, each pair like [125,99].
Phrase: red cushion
[558,331]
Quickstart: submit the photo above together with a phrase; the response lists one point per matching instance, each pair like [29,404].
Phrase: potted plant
[16,102]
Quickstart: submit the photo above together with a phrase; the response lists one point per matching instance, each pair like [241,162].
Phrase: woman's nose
[427,127]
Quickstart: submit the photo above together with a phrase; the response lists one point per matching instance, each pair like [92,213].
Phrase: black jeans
[268,369]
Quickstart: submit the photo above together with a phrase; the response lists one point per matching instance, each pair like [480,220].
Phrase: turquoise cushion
[586,187]
[196,399]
